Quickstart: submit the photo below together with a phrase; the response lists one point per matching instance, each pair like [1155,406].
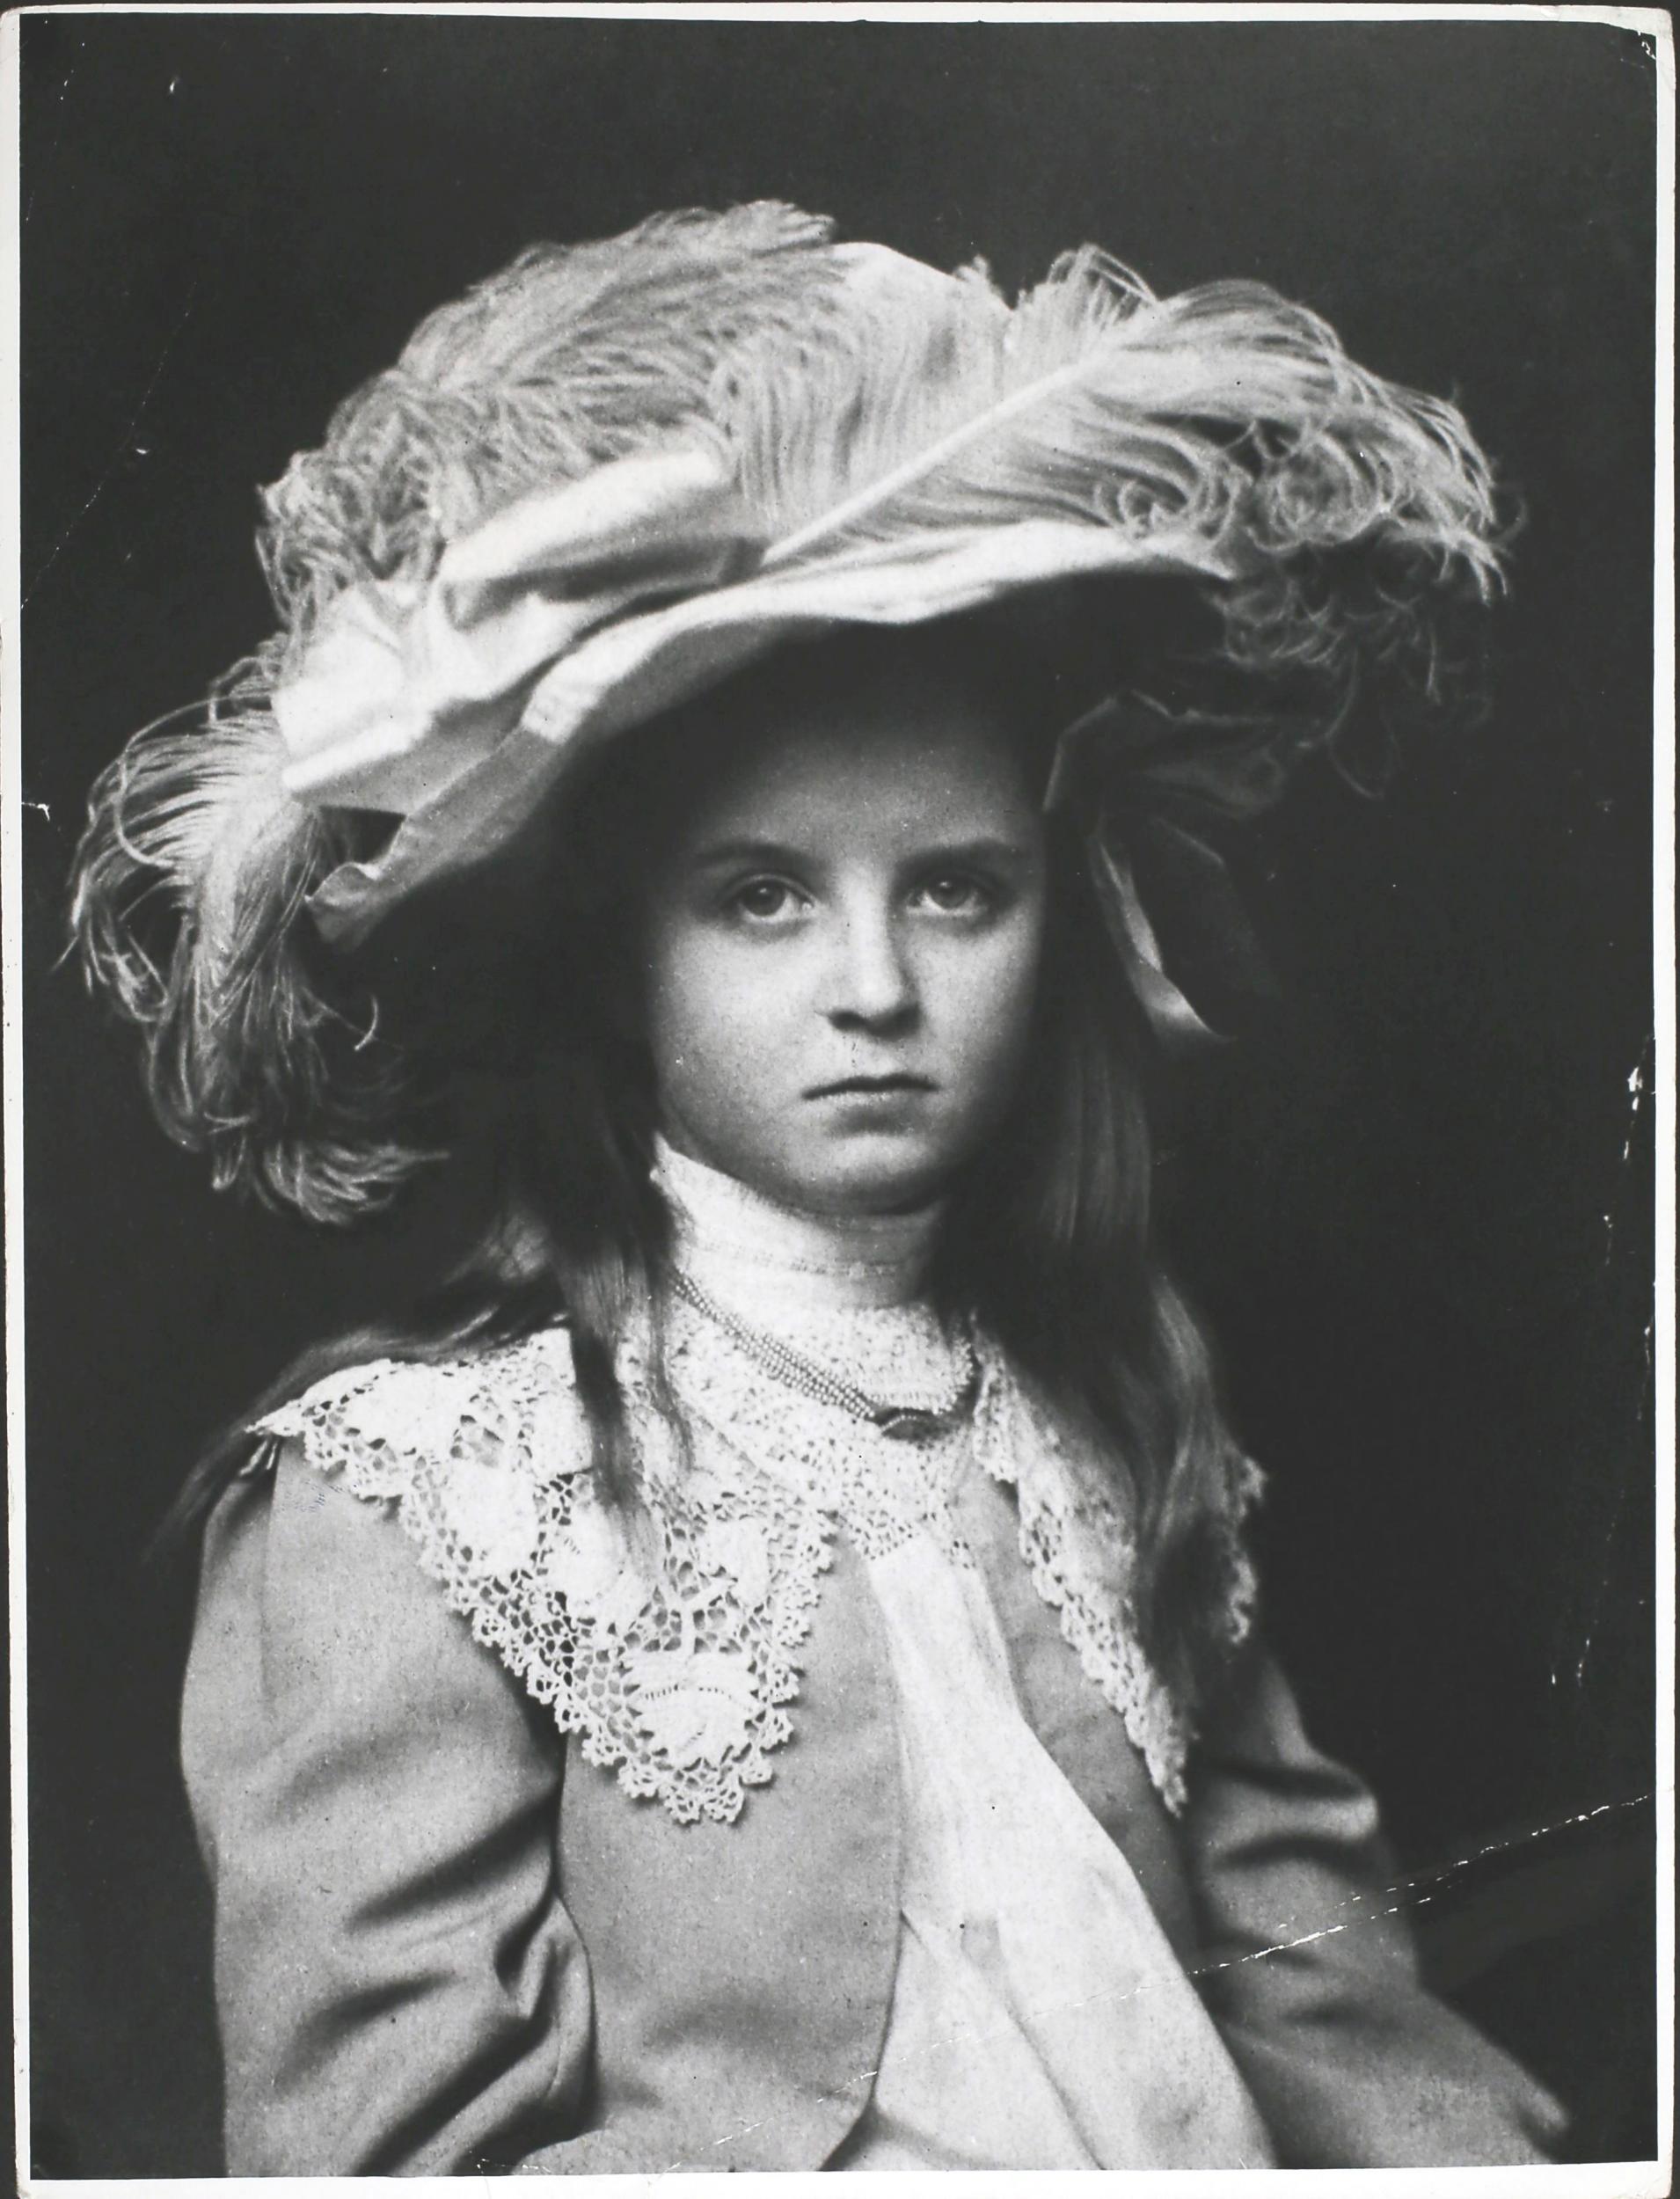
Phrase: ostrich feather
[1226,416]
[569,358]
[190,877]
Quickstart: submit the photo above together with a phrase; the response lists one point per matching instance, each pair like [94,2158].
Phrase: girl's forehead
[840,765]
[866,729]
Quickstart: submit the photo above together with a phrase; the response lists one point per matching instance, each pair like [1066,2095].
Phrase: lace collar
[683,1679]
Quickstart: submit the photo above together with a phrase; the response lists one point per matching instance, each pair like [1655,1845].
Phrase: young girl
[759,1670]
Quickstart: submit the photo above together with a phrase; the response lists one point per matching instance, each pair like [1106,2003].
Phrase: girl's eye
[763,901]
[952,894]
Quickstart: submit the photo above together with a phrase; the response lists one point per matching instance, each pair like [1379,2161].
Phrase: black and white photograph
[839,1048]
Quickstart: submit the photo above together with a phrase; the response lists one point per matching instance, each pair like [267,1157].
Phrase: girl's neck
[754,1253]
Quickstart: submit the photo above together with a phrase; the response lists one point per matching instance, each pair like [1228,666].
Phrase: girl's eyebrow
[769,852]
[983,848]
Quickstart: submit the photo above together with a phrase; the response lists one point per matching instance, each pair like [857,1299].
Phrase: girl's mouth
[861,1085]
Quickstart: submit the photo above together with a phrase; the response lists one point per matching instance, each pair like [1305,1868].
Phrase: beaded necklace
[906,1423]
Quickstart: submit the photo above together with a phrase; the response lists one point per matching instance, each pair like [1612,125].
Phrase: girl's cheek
[1002,976]
[734,997]
[989,1014]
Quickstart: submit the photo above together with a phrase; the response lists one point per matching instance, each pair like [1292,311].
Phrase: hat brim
[631,671]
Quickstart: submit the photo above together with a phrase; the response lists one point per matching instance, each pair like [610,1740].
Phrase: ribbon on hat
[407,687]
[1125,767]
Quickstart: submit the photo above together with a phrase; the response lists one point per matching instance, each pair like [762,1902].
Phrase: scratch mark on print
[1636,1089]
[1637,1086]
[1407,1887]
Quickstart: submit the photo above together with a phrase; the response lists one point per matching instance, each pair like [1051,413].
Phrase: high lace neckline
[764,1260]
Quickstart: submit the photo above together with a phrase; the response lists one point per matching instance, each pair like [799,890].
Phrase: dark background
[1415,1203]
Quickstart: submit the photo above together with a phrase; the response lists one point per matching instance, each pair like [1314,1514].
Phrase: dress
[1021,1992]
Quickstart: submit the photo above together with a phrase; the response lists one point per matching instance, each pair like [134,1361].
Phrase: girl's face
[842,946]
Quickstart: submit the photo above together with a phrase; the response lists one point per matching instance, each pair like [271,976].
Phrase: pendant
[906,1423]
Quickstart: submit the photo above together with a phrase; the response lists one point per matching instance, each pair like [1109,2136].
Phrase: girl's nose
[872,983]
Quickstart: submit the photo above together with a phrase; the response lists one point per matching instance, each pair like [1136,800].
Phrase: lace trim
[900,1353]
[1082,1557]
[677,1672]
[677,1676]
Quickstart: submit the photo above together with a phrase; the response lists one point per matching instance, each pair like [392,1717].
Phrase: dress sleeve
[1312,1972]
[400,1989]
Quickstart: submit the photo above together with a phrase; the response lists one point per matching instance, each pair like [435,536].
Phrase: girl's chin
[856,1171]
[867,1176]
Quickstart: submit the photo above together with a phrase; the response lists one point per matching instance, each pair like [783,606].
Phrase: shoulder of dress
[382,1422]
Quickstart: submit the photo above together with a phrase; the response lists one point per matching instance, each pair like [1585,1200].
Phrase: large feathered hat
[618,473]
